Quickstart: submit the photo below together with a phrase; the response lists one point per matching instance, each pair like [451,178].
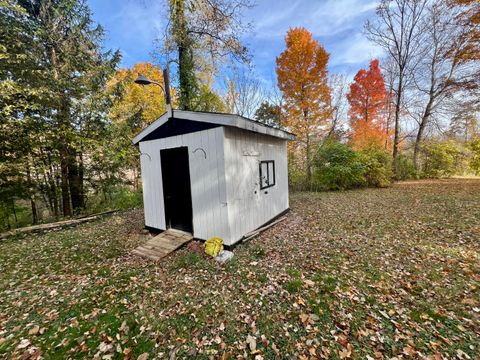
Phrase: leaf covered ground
[368,274]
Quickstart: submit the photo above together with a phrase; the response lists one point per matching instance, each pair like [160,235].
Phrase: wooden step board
[163,244]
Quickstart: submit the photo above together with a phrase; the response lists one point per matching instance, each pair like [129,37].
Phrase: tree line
[68,112]
[52,107]
[418,104]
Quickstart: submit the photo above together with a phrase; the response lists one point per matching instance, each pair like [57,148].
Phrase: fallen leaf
[303,317]
[34,330]
[345,352]
[252,343]
[309,283]
[462,355]
[144,356]
[24,343]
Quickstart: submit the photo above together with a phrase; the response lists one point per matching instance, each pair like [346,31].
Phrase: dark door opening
[177,194]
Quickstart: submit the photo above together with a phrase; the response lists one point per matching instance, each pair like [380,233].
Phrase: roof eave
[221,119]
[150,128]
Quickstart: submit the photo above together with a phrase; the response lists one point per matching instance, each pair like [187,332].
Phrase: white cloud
[337,24]
[273,18]
[322,18]
[354,50]
[335,16]
[133,25]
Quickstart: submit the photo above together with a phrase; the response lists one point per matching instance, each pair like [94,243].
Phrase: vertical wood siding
[226,198]
[248,206]
[207,177]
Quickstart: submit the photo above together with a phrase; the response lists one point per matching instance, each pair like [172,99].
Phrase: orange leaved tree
[368,104]
[302,78]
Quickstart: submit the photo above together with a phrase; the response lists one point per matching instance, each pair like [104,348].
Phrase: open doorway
[177,194]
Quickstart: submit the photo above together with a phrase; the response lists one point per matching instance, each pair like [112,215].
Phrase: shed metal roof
[219,119]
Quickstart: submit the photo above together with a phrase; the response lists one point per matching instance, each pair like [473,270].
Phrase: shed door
[177,195]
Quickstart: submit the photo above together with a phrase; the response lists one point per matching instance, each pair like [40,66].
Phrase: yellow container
[213,246]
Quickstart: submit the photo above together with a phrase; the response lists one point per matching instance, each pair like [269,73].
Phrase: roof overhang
[231,120]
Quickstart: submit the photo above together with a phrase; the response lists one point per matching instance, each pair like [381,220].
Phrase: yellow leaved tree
[133,107]
[133,104]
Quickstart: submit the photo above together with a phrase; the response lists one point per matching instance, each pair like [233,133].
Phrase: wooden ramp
[163,244]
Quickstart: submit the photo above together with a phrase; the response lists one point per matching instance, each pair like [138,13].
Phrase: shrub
[14,215]
[296,175]
[378,165]
[405,168]
[475,156]
[442,159]
[338,167]
[117,198]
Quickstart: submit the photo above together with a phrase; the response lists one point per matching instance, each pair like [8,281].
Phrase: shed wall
[207,177]
[248,206]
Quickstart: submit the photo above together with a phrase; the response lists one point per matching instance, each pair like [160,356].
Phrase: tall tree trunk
[186,71]
[182,78]
[57,182]
[74,185]
[52,198]
[421,130]
[63,124]
[396,137]
[50,195]
[81,173]
[67,209]
[308,164]
[187,79]
[75,181]
[64,161]
[389,115]
[44,185]
[33,204]
[308,149]
[49,183]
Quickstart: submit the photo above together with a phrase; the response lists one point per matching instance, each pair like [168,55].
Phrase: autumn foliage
[368,103]
[470,19]
[136,104]
[302,78]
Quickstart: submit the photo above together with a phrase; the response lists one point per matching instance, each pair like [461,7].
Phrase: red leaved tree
[368,99]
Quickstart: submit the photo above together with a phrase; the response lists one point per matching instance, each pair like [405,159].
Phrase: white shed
[212,175]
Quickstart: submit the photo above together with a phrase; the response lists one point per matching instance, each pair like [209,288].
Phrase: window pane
[267,174]
[271,173]
[264,174]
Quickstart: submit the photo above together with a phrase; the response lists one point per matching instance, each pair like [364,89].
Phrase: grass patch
[257,252]
[379,272]
[190,260]
[293,286]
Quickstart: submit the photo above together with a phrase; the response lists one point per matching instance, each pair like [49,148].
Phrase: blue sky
[133,25]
